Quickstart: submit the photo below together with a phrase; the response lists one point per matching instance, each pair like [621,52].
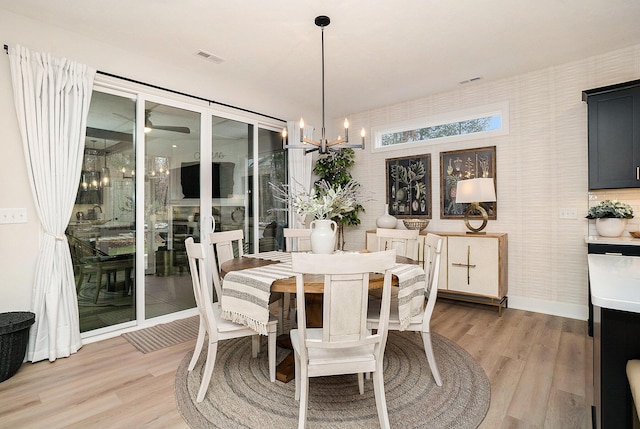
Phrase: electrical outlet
[13,215]
[568,213]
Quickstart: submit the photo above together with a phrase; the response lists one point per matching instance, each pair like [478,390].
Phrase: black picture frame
[460,165]
[408,186]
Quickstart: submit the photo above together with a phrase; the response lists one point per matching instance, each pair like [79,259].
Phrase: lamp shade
[476,190]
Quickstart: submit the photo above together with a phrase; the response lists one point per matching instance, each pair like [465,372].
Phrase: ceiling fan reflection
[151,126]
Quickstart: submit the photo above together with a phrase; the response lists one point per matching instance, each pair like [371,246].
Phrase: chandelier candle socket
[322,145]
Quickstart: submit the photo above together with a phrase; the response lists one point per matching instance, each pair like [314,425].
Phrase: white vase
[386,220]
[610,226]
[323,236]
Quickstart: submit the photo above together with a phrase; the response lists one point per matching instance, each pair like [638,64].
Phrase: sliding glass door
[155,172]
[101,231]
[171,206]
[272,169]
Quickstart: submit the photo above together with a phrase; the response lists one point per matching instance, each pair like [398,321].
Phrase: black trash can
[14,337]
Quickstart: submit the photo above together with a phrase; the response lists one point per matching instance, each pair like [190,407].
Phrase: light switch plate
[13,215]
[568,213]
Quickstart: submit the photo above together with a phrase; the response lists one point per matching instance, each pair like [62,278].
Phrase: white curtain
[300,168]
[52,100]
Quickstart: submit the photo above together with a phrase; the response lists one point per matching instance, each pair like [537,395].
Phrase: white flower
[325,203]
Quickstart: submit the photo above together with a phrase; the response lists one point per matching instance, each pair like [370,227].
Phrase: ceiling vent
[208,56]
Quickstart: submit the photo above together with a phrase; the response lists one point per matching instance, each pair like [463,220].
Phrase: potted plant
[333,168]
[326,203]
[611,217]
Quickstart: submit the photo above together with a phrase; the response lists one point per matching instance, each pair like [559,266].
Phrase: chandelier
[322,145]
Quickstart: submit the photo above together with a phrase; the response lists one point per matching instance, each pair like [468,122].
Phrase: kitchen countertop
[615,281]
[624,240]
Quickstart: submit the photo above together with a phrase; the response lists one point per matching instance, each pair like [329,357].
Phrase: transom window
[461,125]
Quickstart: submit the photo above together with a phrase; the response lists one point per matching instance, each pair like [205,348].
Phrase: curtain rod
[6,49]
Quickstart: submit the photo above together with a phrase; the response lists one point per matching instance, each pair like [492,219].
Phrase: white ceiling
[378,52]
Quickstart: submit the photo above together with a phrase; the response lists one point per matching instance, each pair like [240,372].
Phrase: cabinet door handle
[458,264]
[468,265]
[637,173]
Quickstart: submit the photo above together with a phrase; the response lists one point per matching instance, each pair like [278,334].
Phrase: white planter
[610,227]
[323,236]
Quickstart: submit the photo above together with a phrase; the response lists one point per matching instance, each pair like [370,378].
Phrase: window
[484,121]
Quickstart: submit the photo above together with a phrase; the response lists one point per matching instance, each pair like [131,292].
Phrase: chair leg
[428,349]
[303,381]
[208,370]
[296,377]
[98,284]
[255,345]
[199,343]
[381,402]
[281,316]
[361,383]
[286,302]
[271,351]
[80,278]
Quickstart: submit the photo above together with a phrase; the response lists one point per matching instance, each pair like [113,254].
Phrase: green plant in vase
[333,168]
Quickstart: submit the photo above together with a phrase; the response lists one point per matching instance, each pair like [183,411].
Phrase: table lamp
[474,192]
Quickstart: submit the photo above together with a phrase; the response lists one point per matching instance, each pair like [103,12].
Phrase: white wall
[541,164]
[541,168]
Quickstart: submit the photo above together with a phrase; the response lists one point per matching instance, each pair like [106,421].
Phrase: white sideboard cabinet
[473,267]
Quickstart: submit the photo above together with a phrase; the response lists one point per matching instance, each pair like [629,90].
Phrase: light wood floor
[539,367]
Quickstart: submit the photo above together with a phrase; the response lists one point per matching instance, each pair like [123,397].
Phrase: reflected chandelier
[322,145]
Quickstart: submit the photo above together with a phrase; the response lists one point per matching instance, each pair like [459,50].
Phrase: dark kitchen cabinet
[614,135]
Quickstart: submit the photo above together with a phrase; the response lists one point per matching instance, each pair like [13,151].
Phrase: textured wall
[541,168]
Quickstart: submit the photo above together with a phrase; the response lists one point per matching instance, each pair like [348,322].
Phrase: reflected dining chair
[405,241]
[343,345]
[223,244]
[421,322]
[213,326]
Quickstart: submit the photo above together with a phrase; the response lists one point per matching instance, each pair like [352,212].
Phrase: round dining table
[313,286]
[313,283]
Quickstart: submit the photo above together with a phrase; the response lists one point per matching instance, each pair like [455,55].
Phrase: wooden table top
[314,283]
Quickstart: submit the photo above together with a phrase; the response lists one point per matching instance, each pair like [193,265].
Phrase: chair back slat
[432,258]
[196,255]
[223,250]
[404,241]
[345,297]
[297,239]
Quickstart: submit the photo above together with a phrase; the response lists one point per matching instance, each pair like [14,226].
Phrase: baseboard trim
[562,309]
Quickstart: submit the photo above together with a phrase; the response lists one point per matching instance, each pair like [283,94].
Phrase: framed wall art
[409,186]
[460,165]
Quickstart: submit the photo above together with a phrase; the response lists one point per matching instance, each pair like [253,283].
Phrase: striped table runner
[245,293]
[411,293]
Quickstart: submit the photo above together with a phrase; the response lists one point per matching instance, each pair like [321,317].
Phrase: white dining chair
[297,239]
[405,241]
[422,322]
[343,345]
[214,327]
[228,245]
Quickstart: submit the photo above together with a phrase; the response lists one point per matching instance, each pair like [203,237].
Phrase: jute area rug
[241,396]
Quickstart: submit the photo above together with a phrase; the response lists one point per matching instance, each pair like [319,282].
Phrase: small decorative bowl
[635,234]
[418,224]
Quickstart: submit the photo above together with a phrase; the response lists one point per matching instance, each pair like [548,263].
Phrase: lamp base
[475,207]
